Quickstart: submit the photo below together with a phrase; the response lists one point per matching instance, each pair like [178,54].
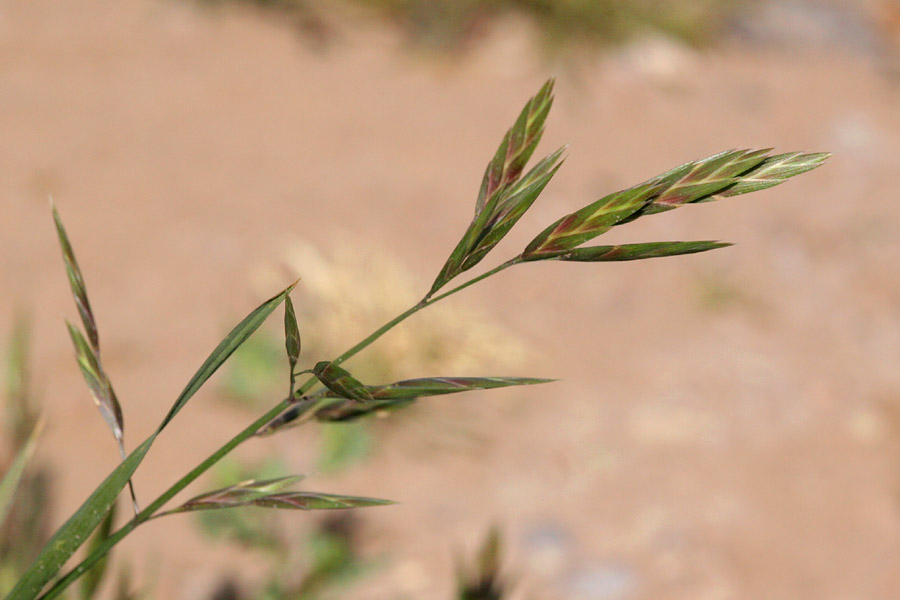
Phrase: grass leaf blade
[226,347]
[92,579]
[72,534]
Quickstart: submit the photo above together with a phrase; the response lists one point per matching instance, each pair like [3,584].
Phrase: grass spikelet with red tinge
[271,493]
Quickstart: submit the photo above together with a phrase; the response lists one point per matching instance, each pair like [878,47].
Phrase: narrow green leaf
[637,251]
[99,384]
[13,476]
[291,338]
[341,382]
[92,579]
[226,347]
[78,527]
[269,494]
[73,533]
[76,281]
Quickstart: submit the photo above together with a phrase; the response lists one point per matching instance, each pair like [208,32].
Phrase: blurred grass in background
[562,25]
[24,522]
[350,290]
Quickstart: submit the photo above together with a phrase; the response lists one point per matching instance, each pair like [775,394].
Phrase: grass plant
[330,392]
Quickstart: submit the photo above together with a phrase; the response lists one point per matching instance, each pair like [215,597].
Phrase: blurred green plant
[23,487]
[560,24]
[332,393]
[482,580]
[334,562]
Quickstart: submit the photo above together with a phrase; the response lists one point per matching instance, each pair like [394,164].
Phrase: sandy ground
[728,423]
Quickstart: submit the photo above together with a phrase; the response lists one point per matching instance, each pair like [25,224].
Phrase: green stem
[148,513]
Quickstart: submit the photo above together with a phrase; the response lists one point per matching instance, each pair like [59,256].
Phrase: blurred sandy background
[727,425]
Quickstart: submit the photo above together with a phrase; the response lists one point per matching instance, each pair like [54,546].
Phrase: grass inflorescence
[331,391]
